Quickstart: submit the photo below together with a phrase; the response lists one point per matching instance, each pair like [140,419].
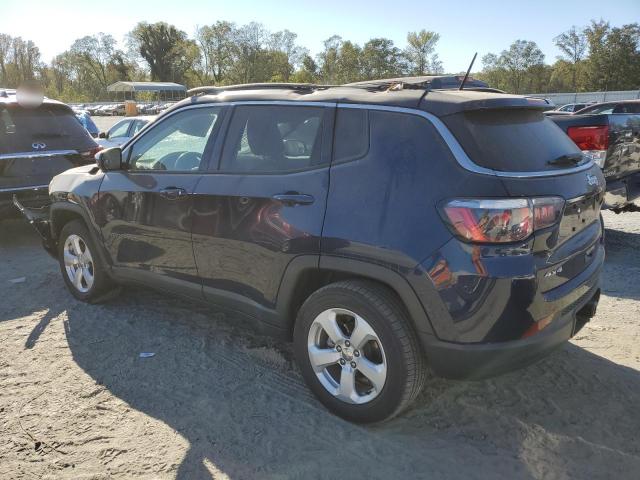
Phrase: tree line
[596,57]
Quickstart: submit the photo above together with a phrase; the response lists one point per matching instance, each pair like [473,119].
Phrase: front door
[264,205]
[146,208]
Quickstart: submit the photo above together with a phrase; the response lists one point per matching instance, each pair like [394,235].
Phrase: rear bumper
[36,196]
[622,192]
[481,360]
[39,218]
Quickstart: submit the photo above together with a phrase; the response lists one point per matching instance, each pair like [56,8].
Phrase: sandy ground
[78,402]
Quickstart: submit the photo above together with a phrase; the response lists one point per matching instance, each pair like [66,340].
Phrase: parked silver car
[123,130]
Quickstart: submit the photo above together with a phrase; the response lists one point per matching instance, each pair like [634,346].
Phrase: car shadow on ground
[206,383]
[239,400]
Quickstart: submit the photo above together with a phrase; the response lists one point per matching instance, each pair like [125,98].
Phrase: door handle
[173,193]
[292,199]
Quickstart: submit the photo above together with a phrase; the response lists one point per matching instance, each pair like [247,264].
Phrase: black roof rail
[255,86]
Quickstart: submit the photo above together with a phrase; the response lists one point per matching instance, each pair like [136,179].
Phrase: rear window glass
[511,140]
[51,127]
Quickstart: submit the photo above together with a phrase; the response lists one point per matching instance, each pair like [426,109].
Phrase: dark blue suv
[384,228]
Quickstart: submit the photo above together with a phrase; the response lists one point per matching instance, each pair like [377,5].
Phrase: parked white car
[123,130]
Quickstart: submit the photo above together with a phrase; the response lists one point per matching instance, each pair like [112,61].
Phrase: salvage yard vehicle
[123,131]
[609,133]
[567,109]
[37,143]
[383,227]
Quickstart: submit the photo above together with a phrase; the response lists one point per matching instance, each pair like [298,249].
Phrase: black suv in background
[383,227]
[609,133]
[35,145]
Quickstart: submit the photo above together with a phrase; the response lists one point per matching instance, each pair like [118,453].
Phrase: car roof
[438,102]
[8,96]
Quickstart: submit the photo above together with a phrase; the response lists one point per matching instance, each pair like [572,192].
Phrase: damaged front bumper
[39,218]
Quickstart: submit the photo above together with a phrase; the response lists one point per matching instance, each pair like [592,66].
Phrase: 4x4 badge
[592,179]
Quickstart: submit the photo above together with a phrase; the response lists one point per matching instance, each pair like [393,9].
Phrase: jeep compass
[386,228]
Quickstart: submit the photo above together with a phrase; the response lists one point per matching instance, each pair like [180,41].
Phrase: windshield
[606,108]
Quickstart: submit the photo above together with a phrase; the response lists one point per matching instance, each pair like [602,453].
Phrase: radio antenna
[464,80]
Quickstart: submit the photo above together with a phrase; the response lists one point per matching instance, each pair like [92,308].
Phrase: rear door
[38,143]
[146,209]
[263,203]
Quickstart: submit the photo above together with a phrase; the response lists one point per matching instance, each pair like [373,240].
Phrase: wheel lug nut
[347,343]
[356,353]
[353,364]
[342,362]
[338,348]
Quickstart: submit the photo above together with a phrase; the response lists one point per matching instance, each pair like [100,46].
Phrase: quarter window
[273,139]
[351,138]
[177,143]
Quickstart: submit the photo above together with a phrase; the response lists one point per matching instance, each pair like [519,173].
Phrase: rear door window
[511,140]
[49,127]
[271,139]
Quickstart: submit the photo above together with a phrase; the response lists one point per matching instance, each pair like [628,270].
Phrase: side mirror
[109,159]
[102,135]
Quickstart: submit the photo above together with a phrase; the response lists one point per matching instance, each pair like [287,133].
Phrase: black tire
[102,285]
[383,310]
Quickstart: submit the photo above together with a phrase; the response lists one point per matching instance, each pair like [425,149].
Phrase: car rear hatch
[38,143]
[533,158]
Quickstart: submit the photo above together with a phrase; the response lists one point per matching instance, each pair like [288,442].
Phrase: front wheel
[80,265]
[357,351]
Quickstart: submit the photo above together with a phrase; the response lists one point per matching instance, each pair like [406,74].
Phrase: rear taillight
[500,220]
[90,154]
[592,140]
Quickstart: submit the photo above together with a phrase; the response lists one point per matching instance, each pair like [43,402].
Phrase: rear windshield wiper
[570,159]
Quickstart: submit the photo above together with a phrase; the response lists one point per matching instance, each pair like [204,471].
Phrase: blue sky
[464,27]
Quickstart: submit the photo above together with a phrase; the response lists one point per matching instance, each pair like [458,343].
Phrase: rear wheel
[80,265]
[357,351]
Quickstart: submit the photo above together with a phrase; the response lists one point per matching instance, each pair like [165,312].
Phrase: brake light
[500,220]
[592,140]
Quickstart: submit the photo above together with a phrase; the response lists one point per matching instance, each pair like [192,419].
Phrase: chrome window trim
[454,146]
[23,189]
[49,153]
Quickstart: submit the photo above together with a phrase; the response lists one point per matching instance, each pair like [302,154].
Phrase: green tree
[513,70]
[381,59]
[328,59]
[614,56]
[348,63]
[420,52]
[573,45]
[166,50]
[217,44]
[308,71]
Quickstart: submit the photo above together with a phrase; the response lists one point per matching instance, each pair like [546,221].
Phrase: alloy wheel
[347,356]
[78,263]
